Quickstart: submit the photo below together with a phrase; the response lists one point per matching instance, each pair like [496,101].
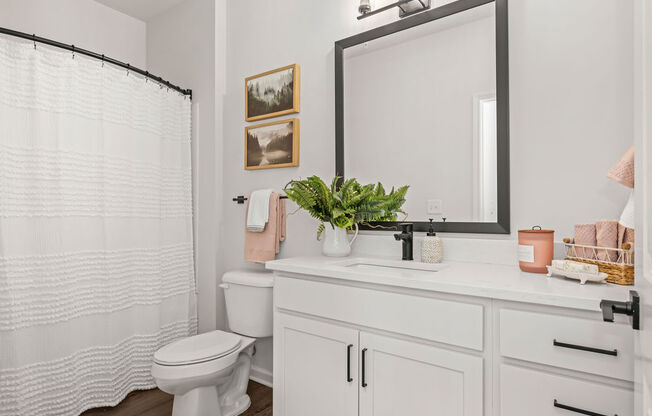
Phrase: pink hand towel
[263,247]
[629,235]
[607,236]
[585,236]
[623,171]
[625,235]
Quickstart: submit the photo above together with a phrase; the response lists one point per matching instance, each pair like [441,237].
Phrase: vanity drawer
[533,393]
[574,343]
[450,322]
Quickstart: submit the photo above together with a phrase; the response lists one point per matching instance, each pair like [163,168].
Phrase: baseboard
[261,375]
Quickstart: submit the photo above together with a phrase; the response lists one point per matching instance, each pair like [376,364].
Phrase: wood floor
[156,403]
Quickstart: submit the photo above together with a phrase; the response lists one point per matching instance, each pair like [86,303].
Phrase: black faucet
[406,236]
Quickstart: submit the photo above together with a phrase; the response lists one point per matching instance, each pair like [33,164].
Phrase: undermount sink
[393,267]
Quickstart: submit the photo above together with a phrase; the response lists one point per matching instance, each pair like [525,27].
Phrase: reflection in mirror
[420,109]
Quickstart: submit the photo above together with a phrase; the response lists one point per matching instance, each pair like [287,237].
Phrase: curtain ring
[102,60]
[34,39]
[146,76]
[73,51]
[128,67]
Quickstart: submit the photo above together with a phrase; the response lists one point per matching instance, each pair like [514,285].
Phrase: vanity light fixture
[405,7]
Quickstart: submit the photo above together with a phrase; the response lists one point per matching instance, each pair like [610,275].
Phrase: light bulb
[365,6]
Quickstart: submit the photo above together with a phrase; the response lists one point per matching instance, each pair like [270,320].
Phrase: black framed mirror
[424,102]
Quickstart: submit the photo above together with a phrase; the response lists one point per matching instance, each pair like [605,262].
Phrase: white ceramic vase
[336,242]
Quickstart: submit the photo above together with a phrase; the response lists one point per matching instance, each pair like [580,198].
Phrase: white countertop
[470,279]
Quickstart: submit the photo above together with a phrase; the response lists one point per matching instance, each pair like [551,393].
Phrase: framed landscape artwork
[272,93]
[272,145]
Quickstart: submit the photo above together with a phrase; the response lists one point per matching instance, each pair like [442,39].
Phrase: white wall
[571,76]
[84,23]
[571,108]
[184,45]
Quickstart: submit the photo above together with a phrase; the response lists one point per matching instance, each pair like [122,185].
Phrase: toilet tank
[248,296]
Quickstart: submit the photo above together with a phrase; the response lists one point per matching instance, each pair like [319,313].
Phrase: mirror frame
[502,226]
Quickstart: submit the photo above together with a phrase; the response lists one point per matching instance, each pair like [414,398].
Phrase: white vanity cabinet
[332,355]
[335,370]
[470,340]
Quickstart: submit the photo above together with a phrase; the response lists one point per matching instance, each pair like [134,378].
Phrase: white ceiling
[141,9]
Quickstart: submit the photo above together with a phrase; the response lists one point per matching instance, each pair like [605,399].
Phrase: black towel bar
[240,199]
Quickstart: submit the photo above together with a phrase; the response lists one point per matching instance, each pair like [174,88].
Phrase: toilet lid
[198,348]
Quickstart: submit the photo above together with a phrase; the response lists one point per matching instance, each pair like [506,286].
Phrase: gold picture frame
[268,94]
[272,145]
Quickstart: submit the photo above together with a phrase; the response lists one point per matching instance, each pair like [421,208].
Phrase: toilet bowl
[208,373]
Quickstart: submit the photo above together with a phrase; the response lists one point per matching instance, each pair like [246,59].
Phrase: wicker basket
[618,263]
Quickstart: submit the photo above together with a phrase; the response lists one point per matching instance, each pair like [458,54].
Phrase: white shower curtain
[96,256]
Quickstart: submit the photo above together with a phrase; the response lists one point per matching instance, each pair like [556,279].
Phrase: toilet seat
[198,349]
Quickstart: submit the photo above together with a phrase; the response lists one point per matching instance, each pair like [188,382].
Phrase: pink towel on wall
[585,236]
[606,232]
[623,171]
[263,247]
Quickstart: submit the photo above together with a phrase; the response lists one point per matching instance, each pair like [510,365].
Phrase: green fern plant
[346,205]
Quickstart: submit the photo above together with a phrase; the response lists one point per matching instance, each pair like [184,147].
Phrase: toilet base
[237,408]
[200,401]
[204,401]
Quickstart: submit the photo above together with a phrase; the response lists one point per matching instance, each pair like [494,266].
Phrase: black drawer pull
[348,363]
[364,378]
[613,352]
[577,410]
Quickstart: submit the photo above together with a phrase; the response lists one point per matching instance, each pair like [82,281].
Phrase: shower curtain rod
[95,55]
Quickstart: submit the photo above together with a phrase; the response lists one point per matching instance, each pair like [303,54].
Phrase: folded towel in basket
[606,232]
[585,236]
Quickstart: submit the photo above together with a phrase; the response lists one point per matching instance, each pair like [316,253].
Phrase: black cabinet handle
[348,363]
[364,378]
[613,352]
[577,410]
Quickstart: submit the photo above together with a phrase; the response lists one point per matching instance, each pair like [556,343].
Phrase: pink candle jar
[535,249]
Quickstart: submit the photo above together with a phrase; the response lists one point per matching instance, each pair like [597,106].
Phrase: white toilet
[208,373]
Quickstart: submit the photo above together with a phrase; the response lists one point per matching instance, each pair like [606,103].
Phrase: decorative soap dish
[582,277]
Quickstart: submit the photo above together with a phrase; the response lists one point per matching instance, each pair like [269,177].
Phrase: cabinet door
[407,378]
[315,368]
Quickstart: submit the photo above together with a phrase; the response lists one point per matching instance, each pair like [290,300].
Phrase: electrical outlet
[435,206]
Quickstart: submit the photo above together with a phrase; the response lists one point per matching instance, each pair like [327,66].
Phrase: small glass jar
[535,249]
